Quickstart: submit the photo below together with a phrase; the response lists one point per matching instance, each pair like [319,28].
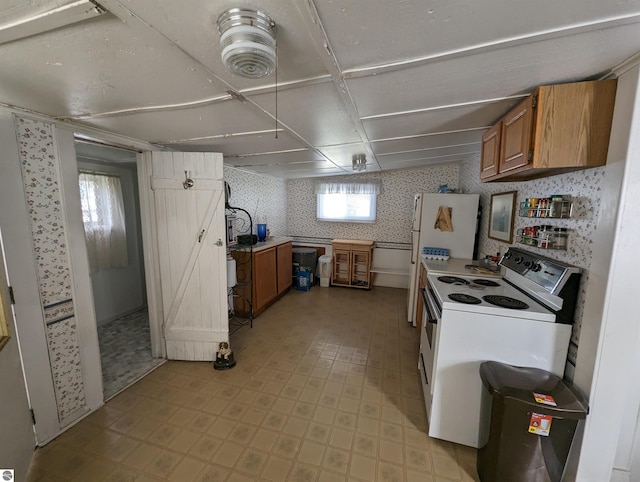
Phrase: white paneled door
[191,252]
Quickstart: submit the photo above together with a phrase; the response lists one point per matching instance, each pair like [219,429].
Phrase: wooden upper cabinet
[515,144]
[490,151]
[558,128]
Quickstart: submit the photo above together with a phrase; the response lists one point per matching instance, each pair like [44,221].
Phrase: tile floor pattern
[326,389]
[125,351]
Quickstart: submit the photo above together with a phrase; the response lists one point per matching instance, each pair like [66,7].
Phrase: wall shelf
[551,209]
[550,242]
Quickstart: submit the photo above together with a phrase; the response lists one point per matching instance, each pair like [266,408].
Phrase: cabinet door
[265,283]
[243,288]
[341,267]
[490,151]
[516,136]
[360,267]
[285,269]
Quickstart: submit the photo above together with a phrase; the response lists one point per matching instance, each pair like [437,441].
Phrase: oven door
[428,337]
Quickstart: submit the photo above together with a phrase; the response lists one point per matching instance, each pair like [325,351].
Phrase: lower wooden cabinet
[284,259]
[272,271]
[265,280]
[352,263]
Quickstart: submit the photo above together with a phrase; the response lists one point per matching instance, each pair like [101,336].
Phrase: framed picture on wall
[501,214]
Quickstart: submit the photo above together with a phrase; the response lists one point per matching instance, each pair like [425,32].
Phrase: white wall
[17,440]
[608,369]
[119,291]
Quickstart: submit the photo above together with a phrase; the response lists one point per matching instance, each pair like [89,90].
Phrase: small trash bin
[528,420]
[324,268]
[303,279]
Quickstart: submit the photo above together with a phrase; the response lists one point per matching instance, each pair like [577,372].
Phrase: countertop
[270,243]
[455,266]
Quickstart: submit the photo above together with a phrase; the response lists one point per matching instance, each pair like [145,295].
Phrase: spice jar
[560,238]
[543,236]
[543,204]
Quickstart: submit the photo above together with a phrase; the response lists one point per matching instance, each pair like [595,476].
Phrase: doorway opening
[111,215]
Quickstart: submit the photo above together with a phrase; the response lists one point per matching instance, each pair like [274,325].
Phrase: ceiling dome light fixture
[359,162]
[248,42]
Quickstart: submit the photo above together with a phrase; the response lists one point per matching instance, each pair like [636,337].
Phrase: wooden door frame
[151,256]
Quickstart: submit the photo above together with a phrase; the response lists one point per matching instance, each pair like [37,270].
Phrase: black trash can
[528,420]
[304,258]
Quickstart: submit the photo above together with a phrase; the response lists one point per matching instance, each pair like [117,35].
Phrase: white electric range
[463,326]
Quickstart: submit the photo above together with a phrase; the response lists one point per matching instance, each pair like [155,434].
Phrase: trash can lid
[540,390]
[303,250]
[325,258]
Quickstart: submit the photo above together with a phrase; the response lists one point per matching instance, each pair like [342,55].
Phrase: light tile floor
[125,351]
[326,389]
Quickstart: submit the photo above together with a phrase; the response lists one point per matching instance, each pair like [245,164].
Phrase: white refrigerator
[458,236]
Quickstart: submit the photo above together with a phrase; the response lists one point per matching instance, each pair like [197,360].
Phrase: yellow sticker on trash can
[540,424]
[544,399]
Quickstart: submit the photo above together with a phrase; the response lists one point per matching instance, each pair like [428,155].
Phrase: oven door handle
[430,317]
[424,370]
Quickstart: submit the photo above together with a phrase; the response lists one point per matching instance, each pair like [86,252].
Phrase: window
[347,202]
[103,217]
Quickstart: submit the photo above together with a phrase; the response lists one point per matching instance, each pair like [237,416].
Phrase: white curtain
[103,216]
[371,187]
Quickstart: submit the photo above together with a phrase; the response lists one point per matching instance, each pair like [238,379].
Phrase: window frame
[370,188]
[373,206]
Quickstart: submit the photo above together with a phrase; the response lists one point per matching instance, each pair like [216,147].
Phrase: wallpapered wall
[40,174]
[585,188]
[261,196]
[394,205]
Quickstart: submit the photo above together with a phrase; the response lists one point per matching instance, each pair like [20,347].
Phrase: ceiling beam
[600,24]
[319,35]
[50,20]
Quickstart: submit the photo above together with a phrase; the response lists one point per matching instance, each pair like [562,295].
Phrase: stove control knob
[508,255]
[528,264]
[518,259]
[536,267]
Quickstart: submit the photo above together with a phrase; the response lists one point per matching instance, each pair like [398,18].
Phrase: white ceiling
[407,82]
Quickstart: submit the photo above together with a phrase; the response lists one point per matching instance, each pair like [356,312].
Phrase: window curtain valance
[371,187]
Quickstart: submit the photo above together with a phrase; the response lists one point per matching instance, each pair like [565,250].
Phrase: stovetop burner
[505,302]
[452,279]
[485,282]
[463,298]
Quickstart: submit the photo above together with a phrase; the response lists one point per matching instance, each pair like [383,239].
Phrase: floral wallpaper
[66,366]
[392,227]
[584,186]
[44,203]
[262,196]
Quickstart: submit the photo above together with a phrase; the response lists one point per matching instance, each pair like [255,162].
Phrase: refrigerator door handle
[413,253]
